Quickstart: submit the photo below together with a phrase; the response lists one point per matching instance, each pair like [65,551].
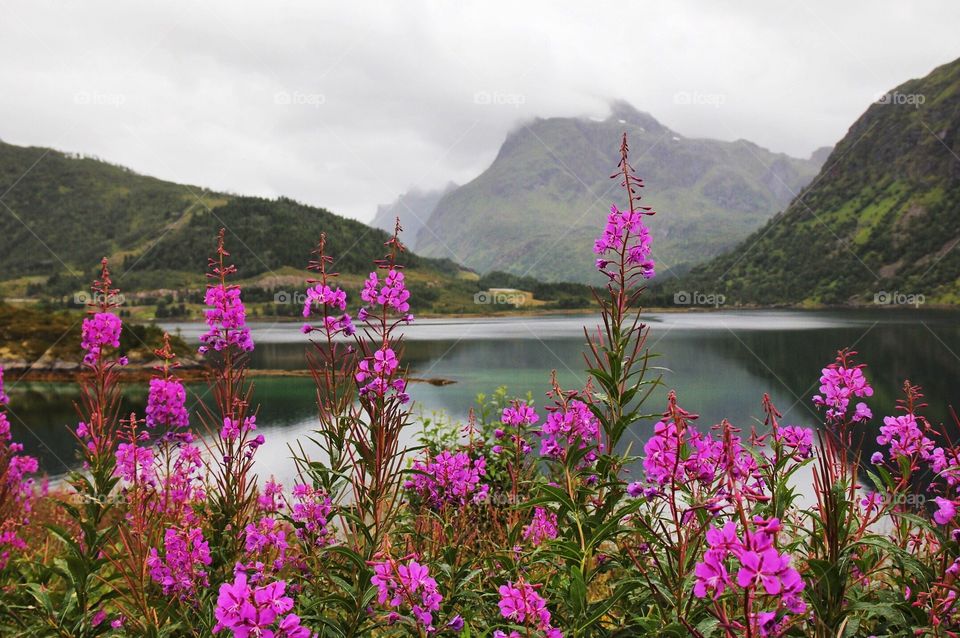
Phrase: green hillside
[60,214]
[537,208]
[883,216]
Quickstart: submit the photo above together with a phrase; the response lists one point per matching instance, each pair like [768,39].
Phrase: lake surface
[720,363]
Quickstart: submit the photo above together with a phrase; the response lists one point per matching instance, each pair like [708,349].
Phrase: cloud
[345,105]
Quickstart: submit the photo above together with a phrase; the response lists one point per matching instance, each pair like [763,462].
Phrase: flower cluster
[167,404]
[182,568]
[257,611]
[758,564]
[796,439]
[905,438]
[311,512]
[839,382]
[135,463]
[517,418]
[573,425]
[326,299]
[16,487]
[380,370]
[267,535]
[407,585]
[626,234]
[98,331]
[392,293]
[521,604]
[226,320]
[542,527]
[449,478]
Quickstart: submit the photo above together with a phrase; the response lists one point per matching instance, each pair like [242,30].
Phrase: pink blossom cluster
[182,567]
[98,331]
[518,417]
[392,293]
[183,485]
[796,439]
[326,299]
[311,512]
[839,383]
[626,234]
[759,567]
[260,612]
[573,425]
[905,438]
[226,319]
[18,488]
[167,404]
[267,535]
[543,526]
[521,604]
[376,375]
[135,463]
[449,479]
[407,586]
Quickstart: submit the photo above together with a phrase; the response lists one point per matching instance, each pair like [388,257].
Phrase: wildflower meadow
[527,520]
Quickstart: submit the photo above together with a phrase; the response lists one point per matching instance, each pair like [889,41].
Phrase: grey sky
[347,104]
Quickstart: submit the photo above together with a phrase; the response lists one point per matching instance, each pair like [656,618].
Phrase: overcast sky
[347,104]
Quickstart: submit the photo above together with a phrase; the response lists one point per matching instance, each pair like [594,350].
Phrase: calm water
[720,363]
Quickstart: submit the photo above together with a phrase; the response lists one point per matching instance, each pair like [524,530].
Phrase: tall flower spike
[226,316]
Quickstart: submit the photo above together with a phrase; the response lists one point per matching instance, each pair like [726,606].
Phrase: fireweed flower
[839,382]
[182,567]
[17,487]
[797,439]
[400,586]
[166,404]
[520,603]
[311,512]
[625,232]
[135,463]
[257,611]
[265,536]
[448,478]
[376,373]
[98,331]
[946,511]
[571,425]
[392,293]
[325,299]
[903,435]
[226,319]
[542,527]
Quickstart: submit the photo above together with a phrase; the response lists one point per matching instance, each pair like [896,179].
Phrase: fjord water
[720,364]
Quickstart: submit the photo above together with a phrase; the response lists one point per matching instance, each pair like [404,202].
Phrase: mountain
[413,208]
[883,216]
[538,207]
[61,213]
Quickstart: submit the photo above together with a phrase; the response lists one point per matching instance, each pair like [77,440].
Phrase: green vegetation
[883,216]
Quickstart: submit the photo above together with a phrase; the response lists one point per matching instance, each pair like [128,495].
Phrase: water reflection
[719,363]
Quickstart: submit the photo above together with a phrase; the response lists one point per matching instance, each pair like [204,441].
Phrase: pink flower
[226,319]
[542,527]
[626,233]
[946,511]
[99,330]
[521,604]
[166,404]
[448,478]
[181,569]
[711,575]
[400,585]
